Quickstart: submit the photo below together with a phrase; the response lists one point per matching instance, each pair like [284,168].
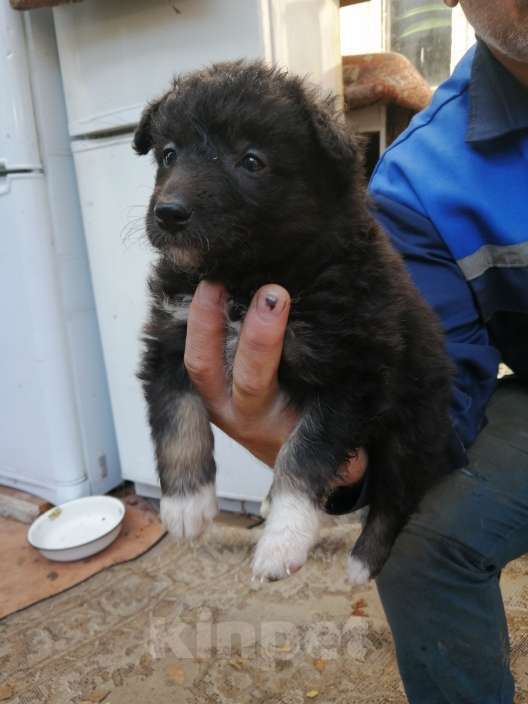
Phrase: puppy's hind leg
[372,548]
[393,497]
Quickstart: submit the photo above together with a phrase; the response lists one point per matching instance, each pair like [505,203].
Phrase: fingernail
[209,293]
[269,302]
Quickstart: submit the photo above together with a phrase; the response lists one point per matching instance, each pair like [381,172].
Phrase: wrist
[266,440]
[265,451]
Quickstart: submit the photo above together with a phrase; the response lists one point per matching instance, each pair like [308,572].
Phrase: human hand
[253,411]
[353,471]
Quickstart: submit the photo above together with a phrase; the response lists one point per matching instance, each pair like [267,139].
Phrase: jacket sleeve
[443,286]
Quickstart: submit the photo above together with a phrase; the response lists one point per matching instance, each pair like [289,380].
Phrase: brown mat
[27,577]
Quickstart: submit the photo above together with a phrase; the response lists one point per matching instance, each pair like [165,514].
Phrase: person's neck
[518,69]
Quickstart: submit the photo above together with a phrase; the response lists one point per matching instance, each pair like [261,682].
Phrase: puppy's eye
[168,157]
[251,162]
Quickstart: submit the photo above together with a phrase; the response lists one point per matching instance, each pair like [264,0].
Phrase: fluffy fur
[258,182]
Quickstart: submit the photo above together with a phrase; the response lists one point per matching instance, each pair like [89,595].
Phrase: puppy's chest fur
[297,353]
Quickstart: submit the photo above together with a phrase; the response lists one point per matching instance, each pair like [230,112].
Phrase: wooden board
[21,506]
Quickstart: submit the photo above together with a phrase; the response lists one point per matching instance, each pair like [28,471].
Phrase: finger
[204,346]
[259,350]
[354,469]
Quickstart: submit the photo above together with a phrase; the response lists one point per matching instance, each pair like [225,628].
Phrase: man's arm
[442,284]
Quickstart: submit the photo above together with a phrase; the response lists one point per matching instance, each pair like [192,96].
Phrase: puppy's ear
[143,138]
[337,143]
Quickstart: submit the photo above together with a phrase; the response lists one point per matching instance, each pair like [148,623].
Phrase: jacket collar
[498,102]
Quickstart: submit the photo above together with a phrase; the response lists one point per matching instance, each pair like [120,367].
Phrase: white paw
[358,572]
[188,516]
[291,530]
[280,554]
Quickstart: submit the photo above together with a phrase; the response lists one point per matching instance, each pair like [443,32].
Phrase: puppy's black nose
[174,213]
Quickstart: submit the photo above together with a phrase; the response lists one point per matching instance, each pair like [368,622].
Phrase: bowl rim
[82,499]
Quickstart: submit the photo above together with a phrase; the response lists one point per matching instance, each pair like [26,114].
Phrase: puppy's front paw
[358,571]
[188,516]
[291,530]
[279,554]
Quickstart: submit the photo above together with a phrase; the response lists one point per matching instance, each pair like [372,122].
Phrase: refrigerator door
[18,138]
[115,56]
[71,258]
[40,448]
[115,186]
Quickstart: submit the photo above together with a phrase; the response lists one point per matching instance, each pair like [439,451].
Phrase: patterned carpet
[185,624]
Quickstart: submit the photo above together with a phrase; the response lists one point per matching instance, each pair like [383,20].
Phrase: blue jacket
[452,193]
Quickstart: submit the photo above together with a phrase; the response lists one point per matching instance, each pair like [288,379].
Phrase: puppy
[259,182]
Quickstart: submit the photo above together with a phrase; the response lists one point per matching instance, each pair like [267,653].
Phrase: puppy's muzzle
[172,215]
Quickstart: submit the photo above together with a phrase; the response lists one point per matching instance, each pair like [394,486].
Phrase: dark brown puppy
[258,182]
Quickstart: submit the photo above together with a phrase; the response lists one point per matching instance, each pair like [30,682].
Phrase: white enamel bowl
[77,529]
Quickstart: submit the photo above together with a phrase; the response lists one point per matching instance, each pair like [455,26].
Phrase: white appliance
[115,55]
[56,431]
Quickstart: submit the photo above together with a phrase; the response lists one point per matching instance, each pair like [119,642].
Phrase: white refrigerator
[115,55]
[56,431]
